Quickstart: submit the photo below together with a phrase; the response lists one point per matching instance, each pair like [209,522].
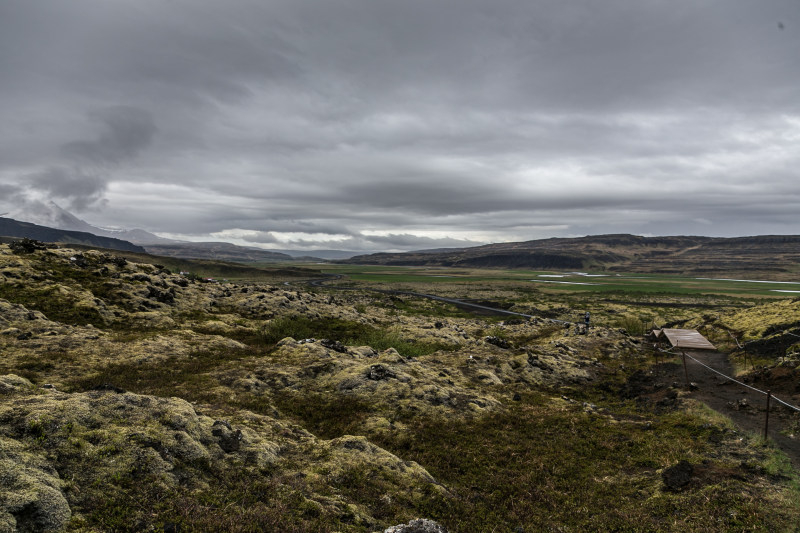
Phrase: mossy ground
[417,416]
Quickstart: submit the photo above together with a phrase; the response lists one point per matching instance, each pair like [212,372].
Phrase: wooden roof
[684,338]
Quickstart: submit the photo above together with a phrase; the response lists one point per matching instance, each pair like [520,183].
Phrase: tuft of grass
[632,325]
[301,327]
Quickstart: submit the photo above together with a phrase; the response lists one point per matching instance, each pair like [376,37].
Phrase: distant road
[459,303]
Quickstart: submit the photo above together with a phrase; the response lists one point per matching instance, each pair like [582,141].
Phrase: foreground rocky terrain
[133,398]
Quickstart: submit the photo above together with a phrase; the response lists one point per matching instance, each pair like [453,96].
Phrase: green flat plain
[569,282]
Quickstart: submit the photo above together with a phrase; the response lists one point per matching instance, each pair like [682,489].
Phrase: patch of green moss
[188,377]
[348,332]
[50,301]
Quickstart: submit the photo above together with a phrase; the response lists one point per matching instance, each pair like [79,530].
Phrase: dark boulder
[497,341]
[379,372]
[678,476]
[336,346]
[228,438]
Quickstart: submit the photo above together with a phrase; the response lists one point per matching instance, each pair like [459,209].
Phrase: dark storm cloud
[406,241]
[125,132]
[319,122]
[72,186]
[80,181]
[8,189]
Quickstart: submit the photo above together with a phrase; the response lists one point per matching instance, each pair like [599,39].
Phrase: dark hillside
[776,256]
[220,251]
[14,228]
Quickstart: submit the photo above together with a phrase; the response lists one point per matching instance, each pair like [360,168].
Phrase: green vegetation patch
[544,466]
[188,378]
[569,282]
[231,502]
[52,302]
[348,332]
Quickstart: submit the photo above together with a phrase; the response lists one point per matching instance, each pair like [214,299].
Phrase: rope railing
[767,393]
[729,378]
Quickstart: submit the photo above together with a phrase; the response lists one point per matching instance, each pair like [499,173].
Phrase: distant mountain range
[14,228]
[60,224]
[54,216]
[220,251]
[774,256]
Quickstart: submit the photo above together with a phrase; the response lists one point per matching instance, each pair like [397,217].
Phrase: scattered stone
[418,525]
[79,260]
[741,405]
[669,399]
[336,346]
[26,246]
[497,341]
[163,296]
[229,440]
[108,387]
[676,477]
[380,372]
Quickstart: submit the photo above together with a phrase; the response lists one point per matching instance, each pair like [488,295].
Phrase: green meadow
[568,282]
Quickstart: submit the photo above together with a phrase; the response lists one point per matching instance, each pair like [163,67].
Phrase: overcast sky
[404,124]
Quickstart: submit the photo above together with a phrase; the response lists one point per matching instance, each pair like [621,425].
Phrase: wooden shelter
[690,339]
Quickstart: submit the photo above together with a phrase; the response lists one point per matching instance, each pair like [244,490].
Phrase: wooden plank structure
[689,339]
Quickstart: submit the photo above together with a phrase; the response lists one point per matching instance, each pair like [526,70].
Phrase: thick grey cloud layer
[408,124]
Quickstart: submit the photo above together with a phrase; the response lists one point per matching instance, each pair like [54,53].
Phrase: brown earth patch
[664,384]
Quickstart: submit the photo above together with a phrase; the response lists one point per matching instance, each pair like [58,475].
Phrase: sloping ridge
[219,251]
[14,228]
[773,254]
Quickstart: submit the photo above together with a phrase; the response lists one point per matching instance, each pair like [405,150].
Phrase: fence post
[685,370]
[766,417]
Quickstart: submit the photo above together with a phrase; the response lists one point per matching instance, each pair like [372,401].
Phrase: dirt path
[745,407]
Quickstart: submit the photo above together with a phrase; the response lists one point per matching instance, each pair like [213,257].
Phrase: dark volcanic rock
[229,440]
[677,476]
[497,341]
[379,372]
[336,346]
